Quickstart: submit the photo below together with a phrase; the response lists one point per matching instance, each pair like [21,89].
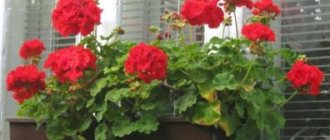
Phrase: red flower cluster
[199,12]
[303,74]
[266,6]
[240,3]
[258,32]
[31,48]
[25,81]
[68,64]
[148,62]
[71,17]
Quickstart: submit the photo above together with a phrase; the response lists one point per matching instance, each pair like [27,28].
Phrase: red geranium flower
[304,75]
[148,62]
[25,81]
[199,12]
[71,17]
[258,32]
[266,6]
[31,48]
[68,64]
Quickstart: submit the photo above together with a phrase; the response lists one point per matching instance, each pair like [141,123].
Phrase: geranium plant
[114,87]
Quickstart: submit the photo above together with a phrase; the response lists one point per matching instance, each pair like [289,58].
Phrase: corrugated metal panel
[305,27]
[137,15]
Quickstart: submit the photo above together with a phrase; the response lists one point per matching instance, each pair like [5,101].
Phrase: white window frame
[2,32]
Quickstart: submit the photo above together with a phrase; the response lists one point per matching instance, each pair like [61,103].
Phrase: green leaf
[198,76]
[277,96]
[262,111]
[85,124]
[247,87]
[215,40]
[207,91]
[248,131]
[207,113]
[79,105]
[60,110]
[101,110]
[54,130]
[101,132]
[114,69]
[148,106]
[117,94]
[225,81]
[229,124]
[122,126]
[239,107]
[289,55]
[147,124]
[186,101]
[154,29]
[78,137]
[90,102]
[98,86]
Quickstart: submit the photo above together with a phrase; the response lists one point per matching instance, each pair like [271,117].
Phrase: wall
[13,37]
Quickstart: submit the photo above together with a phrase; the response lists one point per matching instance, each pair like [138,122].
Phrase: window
[305,27]
[38,25]
[25,19]
[137,15]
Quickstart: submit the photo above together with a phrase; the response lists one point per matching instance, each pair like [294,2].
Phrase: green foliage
[229,123]
[101,132]
[185,101]
[207,113]
[123,125]
[225,81]
[219,84]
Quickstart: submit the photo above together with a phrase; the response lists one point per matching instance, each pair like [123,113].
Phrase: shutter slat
[304,16]
[305,27]
[327,5]
[137,15]
[38,25]
[305,33]
[303,24]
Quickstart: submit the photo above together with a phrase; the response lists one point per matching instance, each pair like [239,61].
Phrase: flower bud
[167,35]
[159,37]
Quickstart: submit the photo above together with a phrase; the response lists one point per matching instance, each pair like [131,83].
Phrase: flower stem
[93,78]
[248,72]
[288,99]
[184,72]
[169,86]
[236,24]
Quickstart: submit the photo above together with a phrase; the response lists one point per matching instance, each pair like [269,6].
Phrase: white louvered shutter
[136,16]
[25,19]
[38,25]
[305,27]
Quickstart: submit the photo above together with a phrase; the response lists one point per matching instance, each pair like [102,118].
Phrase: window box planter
[25,129]
[169,129]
